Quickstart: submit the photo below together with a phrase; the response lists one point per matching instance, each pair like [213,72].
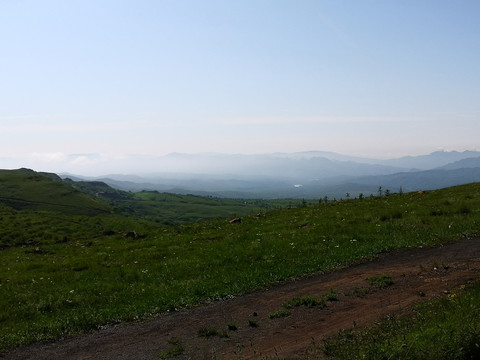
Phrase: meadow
[67,273]
[170,209]
[446,328]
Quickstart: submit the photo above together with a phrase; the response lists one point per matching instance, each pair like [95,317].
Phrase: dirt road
[418,274]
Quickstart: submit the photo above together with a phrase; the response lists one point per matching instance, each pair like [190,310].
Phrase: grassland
[27,189]
[64,274]
[171,209]
[447,328]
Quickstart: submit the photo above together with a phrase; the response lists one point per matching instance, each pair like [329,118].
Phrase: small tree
[325,199]
[360,196]
[387,192]
[380,191]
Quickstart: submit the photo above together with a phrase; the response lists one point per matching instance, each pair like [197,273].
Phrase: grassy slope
[166,208]
[447,328]
[27,189]
[96,275]
[173,208]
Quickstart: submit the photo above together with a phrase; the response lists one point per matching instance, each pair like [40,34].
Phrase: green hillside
[41,207]
[73,262]
[26,189]
[64,274]
[166,208]
[174,208]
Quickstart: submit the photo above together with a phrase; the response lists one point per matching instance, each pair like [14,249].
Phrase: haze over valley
[310,174]
[87,85]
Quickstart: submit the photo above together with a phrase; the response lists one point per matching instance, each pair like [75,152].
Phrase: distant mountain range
[311,174]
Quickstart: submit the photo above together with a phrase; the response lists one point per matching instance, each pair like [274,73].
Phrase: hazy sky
[380,78]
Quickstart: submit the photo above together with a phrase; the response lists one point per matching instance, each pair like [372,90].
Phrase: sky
[86,82]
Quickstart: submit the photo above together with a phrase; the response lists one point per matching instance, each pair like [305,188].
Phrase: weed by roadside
[210,332]
[358,292]
[380,281]
[253,323]
[331,295]
[279,314]
[308,301]
[176,350]
[232,327]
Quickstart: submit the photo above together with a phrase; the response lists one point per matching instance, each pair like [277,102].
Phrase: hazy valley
[297,175]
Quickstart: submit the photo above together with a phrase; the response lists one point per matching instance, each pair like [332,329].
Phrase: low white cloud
[49,157]
[82,160]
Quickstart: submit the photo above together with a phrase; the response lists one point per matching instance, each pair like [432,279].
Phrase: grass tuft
[253,323]
[279,314]
[331,295]
[173,352]
[308,301]
[232,327]
[208,332]
[380,281]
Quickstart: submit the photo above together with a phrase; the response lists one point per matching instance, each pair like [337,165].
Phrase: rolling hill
[27,189]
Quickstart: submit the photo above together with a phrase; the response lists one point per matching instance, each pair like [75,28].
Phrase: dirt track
[418,274]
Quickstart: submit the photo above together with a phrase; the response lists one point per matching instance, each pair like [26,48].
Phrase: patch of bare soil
[418,274]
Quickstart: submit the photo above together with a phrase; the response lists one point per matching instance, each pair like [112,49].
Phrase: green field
[27,189]
[170,209]
[447,328]
[66,272]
